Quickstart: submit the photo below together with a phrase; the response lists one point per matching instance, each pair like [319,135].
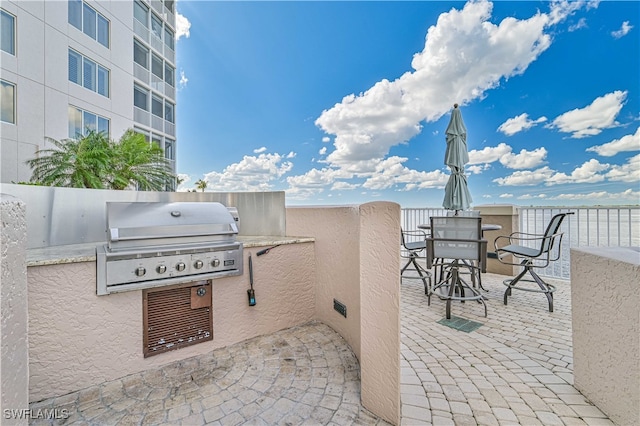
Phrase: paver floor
[304,375]
[516,368]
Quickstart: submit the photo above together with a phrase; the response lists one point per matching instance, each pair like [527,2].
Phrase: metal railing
[613,226]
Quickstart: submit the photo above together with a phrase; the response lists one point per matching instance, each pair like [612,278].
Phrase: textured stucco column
[357,258]
[605,311]
[380,309]
[14,345]
[505,215]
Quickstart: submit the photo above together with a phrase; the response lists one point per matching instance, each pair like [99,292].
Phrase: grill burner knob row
[140,271]
[198,264]
[161,269]
[180,266]
[215,263]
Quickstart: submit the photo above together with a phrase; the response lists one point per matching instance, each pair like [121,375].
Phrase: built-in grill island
[153,244]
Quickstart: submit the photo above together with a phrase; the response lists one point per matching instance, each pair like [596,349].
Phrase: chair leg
[544,287]
[425,277]
[512,282]
[452,286]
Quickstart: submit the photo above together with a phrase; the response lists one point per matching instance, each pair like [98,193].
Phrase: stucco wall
[605,305]
[14,355]
[505,215]
[78,339]
[358,263]
[336,231]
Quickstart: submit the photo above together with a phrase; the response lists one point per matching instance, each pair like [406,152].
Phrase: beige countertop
[86,252]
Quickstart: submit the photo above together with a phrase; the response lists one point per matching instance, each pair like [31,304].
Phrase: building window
[89,21]
[141,13]
[169,5]
[7,102]
[169,149]
[89,70]
[156,26]
[140,54]
[7,32]
[168,38]
[156,66]
[157,140]
[75,70]
[141,97]
[169,75]
[169,112]
[75,13]
[103,31]
[156,106]
[87,73]
[81,122]
[143,133]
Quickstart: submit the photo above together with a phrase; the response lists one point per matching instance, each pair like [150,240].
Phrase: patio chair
[531,251]
[459,239]
[414,245]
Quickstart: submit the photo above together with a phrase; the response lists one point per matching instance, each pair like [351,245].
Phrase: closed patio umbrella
[456,192]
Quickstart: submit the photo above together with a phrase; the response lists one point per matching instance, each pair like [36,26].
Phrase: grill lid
[141,224]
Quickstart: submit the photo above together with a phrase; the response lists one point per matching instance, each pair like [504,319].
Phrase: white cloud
[506,195]
[390,172]
[341,185]
[625,143]
[582,23]
[592,119]
[503,153]
[250,174]
[185,178]
[182,26]
[525,159]
[623,31]
[586,173]
[629,172]
[519,123]
[532,197]
[183,79]
[489,154]
[291,154]
[326,139]
[526,177]
[323,150]
[627,196]
[259,150]
[464,56]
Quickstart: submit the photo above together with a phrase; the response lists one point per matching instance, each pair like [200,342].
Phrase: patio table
[485,227]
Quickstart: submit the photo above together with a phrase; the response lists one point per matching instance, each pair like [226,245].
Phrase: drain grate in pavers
[461,324]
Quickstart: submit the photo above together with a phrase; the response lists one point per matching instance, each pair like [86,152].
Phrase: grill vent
[176,317]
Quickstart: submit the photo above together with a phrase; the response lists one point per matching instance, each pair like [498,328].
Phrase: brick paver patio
[516,368]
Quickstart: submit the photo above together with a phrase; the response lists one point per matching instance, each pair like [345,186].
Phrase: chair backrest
[456,237]
[465,213]
[552,229]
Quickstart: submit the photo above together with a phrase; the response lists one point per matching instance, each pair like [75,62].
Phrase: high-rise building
[69,66]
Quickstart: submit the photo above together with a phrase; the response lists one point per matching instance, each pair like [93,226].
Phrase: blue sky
[347,102]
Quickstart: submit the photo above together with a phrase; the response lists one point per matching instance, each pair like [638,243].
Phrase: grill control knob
[180,266]
[215,263]
[161,269]
[198,264]
[140,271]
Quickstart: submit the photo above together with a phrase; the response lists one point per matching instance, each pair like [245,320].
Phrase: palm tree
[78,163]
[201,184]
[136,162]
[95,161]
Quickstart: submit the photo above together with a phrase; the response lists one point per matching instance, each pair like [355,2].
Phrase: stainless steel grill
[156,244]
